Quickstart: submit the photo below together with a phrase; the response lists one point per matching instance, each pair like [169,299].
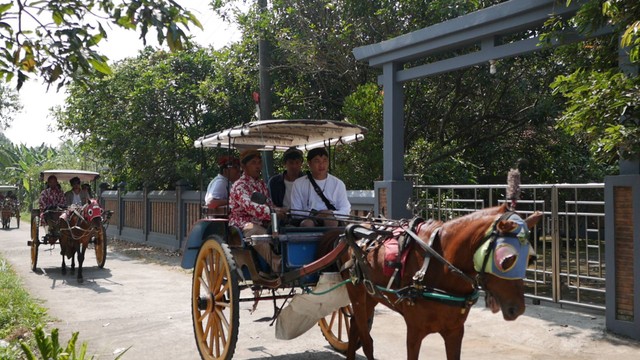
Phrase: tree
[144,118]
[57,40]
[603,101]
[9,105]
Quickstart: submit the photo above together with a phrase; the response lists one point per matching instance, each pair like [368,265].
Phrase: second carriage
[9,205]
[224,261]
[66,226]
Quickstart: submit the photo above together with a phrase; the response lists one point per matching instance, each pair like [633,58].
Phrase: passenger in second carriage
[319,199]
[76,196]
[253,218]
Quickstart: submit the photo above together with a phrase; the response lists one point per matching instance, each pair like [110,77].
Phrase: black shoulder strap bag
[320,193]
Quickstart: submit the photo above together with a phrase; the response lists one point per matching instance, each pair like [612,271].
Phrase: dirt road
[145,307]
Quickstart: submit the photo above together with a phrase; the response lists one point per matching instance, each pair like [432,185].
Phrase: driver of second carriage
[251,217]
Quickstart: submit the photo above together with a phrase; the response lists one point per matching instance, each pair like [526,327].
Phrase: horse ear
[506,226]
[533,219]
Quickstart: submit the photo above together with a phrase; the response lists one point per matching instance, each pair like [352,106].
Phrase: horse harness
[362,240]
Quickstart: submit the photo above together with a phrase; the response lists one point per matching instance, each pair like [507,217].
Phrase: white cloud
[31,126]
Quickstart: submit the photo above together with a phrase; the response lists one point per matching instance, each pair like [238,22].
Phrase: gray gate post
[622,231]
[146,213]
[181,225]
[121,214]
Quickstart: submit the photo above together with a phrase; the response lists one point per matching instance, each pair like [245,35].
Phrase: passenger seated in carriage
[320,197]
[51,197]
[280,185]
[250,217]
[76,196]
[218,189]
[86,187]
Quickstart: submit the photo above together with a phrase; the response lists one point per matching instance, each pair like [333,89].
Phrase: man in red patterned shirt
[51,197]
[253,218]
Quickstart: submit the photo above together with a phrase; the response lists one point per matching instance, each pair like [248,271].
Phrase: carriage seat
[215,212]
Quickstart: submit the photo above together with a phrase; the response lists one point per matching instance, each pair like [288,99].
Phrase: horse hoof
[80,280]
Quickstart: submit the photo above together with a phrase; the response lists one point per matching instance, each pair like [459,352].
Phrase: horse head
[501,259]
[92,213]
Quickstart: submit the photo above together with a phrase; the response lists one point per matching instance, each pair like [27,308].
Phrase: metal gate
[569,241]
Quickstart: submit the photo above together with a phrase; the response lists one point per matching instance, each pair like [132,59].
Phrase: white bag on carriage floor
[305,310]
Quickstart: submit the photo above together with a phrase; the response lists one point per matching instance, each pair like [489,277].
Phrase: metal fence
[569,242]
[165,218]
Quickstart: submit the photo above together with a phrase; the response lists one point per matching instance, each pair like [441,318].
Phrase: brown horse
[435,279]
[80,224]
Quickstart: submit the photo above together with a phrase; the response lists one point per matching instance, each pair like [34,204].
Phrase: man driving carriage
[51,198]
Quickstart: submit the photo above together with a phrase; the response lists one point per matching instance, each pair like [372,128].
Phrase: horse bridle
[417,287]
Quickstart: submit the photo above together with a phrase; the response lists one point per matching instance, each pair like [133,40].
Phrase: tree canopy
[57,40]
[143,119]
[467,126]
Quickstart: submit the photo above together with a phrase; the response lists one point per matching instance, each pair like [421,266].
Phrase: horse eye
[90,212]
[507,263]
[505,257]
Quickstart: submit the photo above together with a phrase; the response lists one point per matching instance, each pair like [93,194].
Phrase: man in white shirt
[321,196]
[76,196]
[218,189]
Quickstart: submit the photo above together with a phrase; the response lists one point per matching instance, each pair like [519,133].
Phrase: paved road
[145,307]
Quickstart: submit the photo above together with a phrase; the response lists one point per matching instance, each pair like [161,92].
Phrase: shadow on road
[321,355]
[90,274]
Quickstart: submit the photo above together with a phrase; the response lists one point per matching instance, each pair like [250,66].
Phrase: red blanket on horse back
[391,257]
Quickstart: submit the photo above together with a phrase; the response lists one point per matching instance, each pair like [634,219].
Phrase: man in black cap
[280,185]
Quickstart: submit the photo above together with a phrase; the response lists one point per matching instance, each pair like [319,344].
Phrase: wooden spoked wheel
[35,242]
[335,328]
[215,300]
[100,245]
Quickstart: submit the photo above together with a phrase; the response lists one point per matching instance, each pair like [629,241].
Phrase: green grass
[19,313]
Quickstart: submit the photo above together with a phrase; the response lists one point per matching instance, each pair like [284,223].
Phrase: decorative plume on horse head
[439,270]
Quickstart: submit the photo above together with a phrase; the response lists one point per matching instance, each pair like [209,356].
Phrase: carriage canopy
[66,175]
[279,135]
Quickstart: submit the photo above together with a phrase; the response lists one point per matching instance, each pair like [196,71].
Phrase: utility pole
[265,90]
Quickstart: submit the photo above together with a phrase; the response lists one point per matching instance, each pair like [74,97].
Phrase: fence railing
[569,242]
[165,218]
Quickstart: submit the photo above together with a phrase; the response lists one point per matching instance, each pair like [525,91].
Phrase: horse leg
[80,261]
[453,342]
[64,266]
[414,342]
[360,323]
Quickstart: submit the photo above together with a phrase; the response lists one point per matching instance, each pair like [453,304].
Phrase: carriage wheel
[100,245]
[35,233]
[335,328]
[215,300]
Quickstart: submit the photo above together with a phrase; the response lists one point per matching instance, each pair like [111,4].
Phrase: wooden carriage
[51,231]
[225,262]
[9,205]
